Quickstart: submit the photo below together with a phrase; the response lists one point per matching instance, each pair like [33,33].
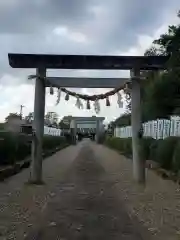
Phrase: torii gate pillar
[38,127]
[138,161]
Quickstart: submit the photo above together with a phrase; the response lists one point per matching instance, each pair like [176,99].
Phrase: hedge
[50,142]
[164,151]
[14,147]
[124,145]
[176,158]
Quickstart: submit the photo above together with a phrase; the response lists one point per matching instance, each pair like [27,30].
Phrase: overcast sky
[118,27]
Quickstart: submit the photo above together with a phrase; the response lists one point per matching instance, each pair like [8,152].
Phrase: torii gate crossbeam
[79,82]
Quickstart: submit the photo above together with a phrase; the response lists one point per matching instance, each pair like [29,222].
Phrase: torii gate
[44,61]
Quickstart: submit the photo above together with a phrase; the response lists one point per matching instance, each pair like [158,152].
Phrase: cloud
[37,16]
[74,27]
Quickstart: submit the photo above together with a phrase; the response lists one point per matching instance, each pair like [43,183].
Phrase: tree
[2,125]
[153,51]
[162,96]
[51,118]
[30,117]
[123,120]
[62,125]
[11,115]
[160,93]
[167,42]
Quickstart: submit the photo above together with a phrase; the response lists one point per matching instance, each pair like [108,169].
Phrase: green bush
[127,146]
[164,152]
[121,144]
[147,144]
[14,147]
[176,158]
[22,148]
[50,142]
[115,143]
[7,148]
[153,148]
[124,145]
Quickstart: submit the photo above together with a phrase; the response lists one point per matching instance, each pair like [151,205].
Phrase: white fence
[160,128]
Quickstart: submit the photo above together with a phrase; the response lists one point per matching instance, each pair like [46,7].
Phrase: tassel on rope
[127,89]
[51,90]
[58,96]
[30,77]
[108,102]
[88,105]
[119,100]
[97,106]
[67,97]
[79,103]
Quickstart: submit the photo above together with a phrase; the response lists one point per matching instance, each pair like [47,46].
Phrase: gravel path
[21,205]
[85,206]
[79,201]
[89,194]
[156,206]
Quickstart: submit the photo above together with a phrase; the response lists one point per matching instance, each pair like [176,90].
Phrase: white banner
[52,131]
[158,129]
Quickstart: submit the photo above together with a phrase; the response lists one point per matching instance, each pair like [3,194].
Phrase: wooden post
[97,131]
[75,132]
[138,161]
[73,126]
[38,127]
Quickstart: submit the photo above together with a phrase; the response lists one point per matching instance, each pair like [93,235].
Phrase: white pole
[38,126]
[138,161]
